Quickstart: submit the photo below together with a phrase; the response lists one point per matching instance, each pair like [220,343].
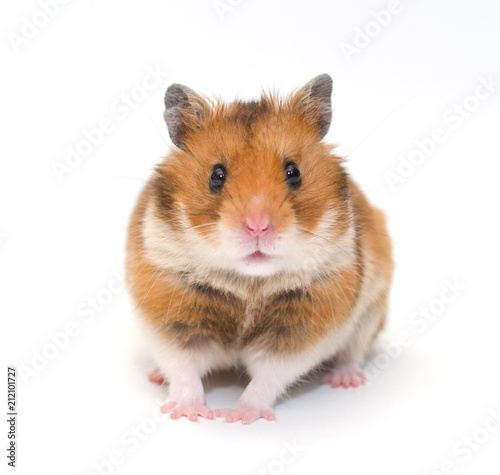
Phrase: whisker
[325,239]
[127,177]
[382,234]
[202,225]
[152,285]
[156,127]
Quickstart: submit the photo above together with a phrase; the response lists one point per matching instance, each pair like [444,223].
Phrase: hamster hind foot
[156,377]
[345,376]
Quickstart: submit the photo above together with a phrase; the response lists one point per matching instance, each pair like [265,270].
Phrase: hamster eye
[292,174]
[217,178]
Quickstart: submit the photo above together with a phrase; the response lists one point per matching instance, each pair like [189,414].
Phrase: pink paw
[156,377]
[187,409]
[245,414]
[345,376]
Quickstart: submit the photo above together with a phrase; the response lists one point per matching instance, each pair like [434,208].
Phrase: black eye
[217,178]
[292,174]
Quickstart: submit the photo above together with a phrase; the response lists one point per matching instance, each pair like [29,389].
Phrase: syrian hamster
[251,247]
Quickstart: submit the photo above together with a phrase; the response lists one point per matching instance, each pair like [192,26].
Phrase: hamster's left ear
[185,111]
[316,98]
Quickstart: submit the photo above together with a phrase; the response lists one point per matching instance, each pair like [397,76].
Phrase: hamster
[251,247]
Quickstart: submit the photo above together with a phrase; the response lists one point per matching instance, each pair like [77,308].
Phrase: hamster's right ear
[184,112]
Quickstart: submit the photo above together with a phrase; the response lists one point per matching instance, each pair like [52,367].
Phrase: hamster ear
[317,98]
[184,112]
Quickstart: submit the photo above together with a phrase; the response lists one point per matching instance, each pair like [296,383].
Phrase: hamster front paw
[245,414]
[189,409]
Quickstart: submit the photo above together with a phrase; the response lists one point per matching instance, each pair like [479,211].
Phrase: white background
[61,240]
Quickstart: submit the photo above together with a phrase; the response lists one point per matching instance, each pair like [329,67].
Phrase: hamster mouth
[257,257]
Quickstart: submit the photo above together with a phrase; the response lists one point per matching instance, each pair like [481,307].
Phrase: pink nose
[257,224]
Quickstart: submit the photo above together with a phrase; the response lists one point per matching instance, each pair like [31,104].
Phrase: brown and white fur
[260,273]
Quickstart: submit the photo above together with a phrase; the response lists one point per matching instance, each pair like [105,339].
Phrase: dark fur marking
[295,294]
[247,112]
[342,186]
[281,321]
[183,332]
[207,315]
[163,193]
[205,290]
